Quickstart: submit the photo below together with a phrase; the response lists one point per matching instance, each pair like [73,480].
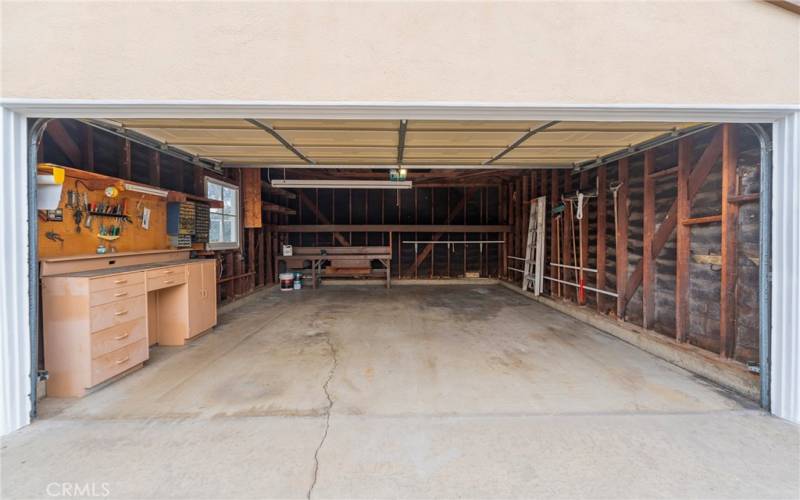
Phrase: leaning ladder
[534,252]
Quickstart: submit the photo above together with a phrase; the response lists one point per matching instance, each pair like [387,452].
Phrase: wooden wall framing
[682,274]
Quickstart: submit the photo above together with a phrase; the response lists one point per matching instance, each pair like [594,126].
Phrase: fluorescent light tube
[138,188]
[340,184]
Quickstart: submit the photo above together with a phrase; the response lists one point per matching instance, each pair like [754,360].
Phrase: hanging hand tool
[54,236]
[77,216]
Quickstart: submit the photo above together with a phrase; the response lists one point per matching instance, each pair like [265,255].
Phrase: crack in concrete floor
[327,415]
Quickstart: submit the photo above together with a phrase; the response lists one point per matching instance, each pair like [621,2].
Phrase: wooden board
[251,197]
[133,237]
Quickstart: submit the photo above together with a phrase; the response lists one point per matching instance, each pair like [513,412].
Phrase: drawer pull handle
[120,294]
[122,336]
[167,282]
[169,271]
[120,361]
[119,282]
[120,313]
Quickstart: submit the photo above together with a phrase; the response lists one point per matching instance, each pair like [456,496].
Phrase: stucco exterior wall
[740,52]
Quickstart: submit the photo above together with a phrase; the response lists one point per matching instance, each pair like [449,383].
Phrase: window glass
[224,222]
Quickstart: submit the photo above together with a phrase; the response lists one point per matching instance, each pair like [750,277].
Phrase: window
[224,230]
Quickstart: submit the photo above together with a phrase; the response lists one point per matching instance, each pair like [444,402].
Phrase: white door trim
[786,245]
[76,108]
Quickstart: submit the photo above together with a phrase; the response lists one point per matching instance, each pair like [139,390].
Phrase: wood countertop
[114,254]
[95,273]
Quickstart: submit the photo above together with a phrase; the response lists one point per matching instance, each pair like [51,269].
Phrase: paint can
[298,284]
[287,280]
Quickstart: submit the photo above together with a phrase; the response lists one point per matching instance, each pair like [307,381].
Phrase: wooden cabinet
[94,329]
[99,323]
[202,283]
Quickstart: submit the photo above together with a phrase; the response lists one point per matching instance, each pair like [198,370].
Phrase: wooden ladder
[534,251]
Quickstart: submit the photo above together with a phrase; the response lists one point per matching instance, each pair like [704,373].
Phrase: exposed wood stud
[87,148]
[698,176]
[684,241]
[56,130]
[566,235]
[555,287]
[251,198]
[648,259]
[602,203]
[321,217]
[621,236]
[501,218]
[693,221]
[743,198]
[154,168]
[583,229]
[667,172]
[125,162]
[730,222]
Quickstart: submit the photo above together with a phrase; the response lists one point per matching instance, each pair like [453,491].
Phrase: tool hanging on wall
[614,188]
[54,236]
[77,216]
[576,206]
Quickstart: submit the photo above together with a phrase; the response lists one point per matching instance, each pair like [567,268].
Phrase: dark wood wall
[701,268]
[473,205]
[73,144]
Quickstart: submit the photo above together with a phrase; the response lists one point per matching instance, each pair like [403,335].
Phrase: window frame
[227,245]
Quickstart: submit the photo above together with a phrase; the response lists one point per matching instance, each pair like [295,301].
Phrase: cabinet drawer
[115,313]
[115,281]
[118,336]
[101,297]
[170,271]
[116,362]
[165,281]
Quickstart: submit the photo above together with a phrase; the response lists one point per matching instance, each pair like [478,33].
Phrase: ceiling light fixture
[138,188]
[339,184]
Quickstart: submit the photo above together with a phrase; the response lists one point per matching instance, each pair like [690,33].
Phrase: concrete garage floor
[437,391]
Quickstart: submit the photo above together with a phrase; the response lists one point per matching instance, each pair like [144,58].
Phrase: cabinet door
[210,292]
[194,283]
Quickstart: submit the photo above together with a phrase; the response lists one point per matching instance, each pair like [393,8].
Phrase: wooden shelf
[182,197]
[274,207]
[266,186]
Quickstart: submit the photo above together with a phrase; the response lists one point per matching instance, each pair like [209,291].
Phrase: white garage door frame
[18,220]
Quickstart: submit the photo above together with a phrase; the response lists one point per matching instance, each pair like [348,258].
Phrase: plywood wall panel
[133,237]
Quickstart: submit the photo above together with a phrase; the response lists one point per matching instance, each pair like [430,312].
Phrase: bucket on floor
[287,280]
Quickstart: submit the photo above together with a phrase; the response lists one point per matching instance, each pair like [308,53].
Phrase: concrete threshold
[727,373]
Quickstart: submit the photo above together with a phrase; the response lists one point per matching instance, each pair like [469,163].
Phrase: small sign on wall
[145,218]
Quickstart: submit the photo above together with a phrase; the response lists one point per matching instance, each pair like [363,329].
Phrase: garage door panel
[365,125]
[447,125]
[184,123]
[483,153]
[610,139]
[180,137]
[340,138]
[487,139]
[574,153]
